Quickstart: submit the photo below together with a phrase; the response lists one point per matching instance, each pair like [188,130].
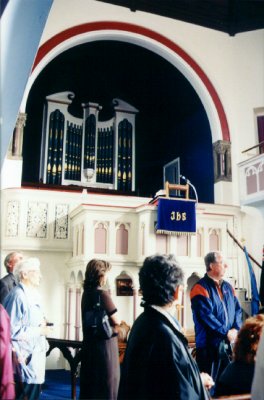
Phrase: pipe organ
[86,151]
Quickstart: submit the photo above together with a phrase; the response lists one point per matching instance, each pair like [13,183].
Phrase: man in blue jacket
[217,316]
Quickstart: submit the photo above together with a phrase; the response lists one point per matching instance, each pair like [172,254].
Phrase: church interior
[102,99]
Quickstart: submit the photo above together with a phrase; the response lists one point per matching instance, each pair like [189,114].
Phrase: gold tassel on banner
[164,232]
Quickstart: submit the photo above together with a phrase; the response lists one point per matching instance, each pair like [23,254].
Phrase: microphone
[185,179]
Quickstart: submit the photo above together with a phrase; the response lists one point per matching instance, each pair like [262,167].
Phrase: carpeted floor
[57,385]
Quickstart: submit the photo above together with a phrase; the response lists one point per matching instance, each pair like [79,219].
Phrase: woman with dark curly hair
[99,375]
[238,376]
[157,363]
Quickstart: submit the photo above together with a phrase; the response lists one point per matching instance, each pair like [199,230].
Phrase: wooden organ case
[86,151]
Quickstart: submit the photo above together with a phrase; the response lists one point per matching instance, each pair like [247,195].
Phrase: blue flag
[254,289]
[261,286]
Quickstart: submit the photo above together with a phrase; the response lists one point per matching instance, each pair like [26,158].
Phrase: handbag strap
[97,300]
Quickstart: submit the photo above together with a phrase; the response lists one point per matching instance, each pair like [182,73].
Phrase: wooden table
[74,357]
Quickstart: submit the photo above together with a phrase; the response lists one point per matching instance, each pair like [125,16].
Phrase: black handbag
[96,322]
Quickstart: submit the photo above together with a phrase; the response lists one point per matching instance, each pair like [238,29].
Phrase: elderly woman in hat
[28,330]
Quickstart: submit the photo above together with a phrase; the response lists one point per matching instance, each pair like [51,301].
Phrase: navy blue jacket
[6,285]
[157,363]
[216,310]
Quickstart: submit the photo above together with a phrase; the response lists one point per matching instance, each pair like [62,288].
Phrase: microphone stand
[192,186]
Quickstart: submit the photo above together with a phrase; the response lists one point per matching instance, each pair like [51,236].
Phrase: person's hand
[122,330]
[207,380]
[124,325]
[232,335]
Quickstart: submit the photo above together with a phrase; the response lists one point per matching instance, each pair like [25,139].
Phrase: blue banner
[176,216]
[261,285]
[254,290]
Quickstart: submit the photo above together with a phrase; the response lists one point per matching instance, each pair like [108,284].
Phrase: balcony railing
[259,146]
[251,173]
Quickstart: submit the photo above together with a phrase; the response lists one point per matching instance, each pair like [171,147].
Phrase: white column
[77,313]
[69,312]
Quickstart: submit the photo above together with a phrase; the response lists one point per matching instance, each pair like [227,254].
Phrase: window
[161,244]
[122,240]
[214,243]
[100,239]
[182,245]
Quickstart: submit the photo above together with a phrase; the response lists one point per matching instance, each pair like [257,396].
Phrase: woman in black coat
[157,363]
[100,371]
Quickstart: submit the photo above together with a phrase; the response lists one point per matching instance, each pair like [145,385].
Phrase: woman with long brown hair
[238,376]
[100,371]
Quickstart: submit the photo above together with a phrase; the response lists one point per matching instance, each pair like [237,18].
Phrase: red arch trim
[121,26]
